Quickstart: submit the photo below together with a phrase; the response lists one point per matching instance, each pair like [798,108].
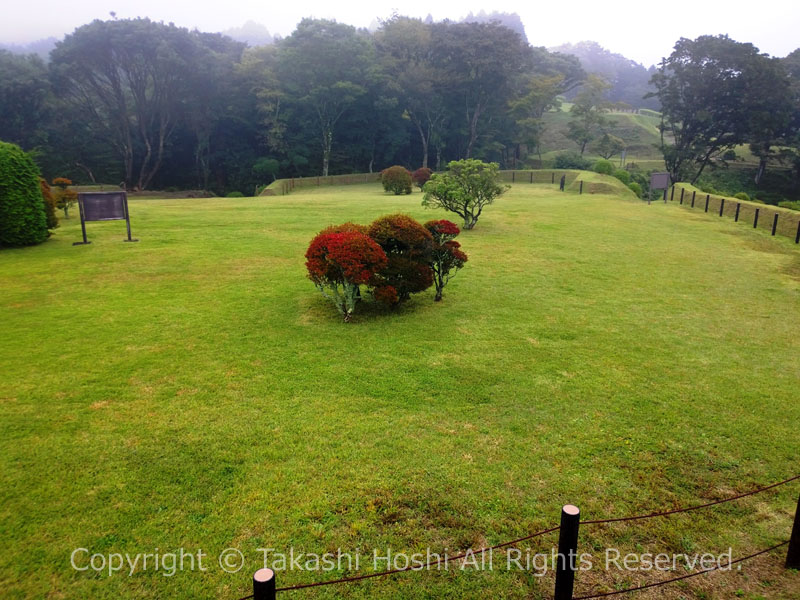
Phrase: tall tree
[25,99]
[481,63]
[708,89]
[791,152]
[129,78]
[537,95]
[405,47]
[323,67]
[587,113]
[769,121]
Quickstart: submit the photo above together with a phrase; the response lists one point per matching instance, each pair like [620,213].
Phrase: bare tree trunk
[327,142]
[88,171]
[762,168]
[473,130]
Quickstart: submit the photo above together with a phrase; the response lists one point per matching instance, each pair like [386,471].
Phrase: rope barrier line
[682,577]
[552,529]
[690,508]
[417,568]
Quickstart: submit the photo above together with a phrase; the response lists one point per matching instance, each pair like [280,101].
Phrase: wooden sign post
[103,206]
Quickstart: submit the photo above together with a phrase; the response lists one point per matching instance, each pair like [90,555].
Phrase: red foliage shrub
[345,228]
[49,204]
[386,294]
[421,176]
[62,182]
[396,179]
[442,230]
[408,246]
[338,263]
[446,257]
[401,234]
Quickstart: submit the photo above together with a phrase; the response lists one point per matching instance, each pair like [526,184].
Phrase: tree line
[154,105]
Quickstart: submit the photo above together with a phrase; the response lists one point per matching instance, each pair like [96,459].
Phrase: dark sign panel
[659,181]
[103,206]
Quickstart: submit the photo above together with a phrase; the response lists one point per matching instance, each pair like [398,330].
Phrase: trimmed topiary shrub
[790,204]
[397,180]
[234,194]
[603,167]
[635,188]
[65,198]
[623,176]
[348,227]
[707,189]
[742,196]
[465,189]
[571,160]
[49,204]
[447,257]
[408,247]
[339,263]
[421,176]
[23,221]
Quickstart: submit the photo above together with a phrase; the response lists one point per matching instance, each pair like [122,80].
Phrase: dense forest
[157,106]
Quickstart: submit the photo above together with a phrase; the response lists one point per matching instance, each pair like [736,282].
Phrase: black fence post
[793,554]
[665,195]
[755,219]
[531,176]
[738,206]
[708,197]
[581,191]
[721,206]
[567,560]
[264,585]
[672,194]
[797,237]
[775,224]
[694,193]
[682,191]
[553,177]
[513,176]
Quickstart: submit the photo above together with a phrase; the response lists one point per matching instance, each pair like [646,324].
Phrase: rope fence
[264,580]
[682,577]
[777,220]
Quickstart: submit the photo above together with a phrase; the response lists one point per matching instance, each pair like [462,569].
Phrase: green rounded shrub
[234,194]
[742,196]
[790,204]
[635,188]
[23,221]
[623,176]
[397,180]
[571,160]
[603,167]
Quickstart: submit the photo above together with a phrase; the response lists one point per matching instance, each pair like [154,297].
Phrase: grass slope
[640,132]
[194,390]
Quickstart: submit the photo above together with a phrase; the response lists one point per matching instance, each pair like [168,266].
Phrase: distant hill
[41,48]
[251,33]
[629,80]
[639,131]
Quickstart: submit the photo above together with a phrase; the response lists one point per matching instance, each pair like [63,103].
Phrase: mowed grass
[194,391]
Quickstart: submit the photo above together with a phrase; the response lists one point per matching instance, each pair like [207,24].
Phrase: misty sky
[640,32]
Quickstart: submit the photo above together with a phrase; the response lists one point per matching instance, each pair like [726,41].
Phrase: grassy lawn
[195,391]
